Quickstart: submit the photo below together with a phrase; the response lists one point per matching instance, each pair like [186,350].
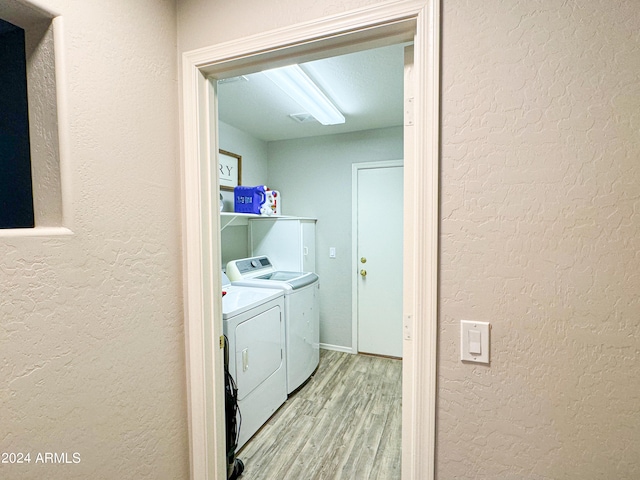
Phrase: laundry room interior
[313,173]
[270,141]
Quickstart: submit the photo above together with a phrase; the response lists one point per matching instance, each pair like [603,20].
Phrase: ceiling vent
[303,117]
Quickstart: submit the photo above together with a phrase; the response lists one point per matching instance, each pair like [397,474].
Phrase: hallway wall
[91,324]
[540,236]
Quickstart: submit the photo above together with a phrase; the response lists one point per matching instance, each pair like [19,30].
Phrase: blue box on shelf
[249,199]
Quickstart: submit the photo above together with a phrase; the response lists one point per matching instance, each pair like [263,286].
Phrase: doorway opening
[311,166]
[416,21]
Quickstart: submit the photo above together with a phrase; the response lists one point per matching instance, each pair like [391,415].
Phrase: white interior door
[378,196]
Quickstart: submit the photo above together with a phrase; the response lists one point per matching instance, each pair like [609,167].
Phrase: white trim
[62,105]
[336,348]
[355,168]
[340,31]
[35,232]
[370,26]
[421,250]
[205,384]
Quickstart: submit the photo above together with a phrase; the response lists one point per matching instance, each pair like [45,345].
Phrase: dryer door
[258,352]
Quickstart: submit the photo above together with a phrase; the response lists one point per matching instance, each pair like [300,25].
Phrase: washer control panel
[248,267]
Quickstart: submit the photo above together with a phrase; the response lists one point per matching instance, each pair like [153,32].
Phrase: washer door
[258,352]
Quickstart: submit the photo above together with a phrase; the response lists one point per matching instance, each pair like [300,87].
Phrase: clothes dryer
[253,321]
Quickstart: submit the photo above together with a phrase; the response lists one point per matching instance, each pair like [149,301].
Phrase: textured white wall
[206,22]
[540,236]
[91,327]
[539,227]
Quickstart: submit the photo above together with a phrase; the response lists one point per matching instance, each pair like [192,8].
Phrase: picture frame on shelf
[229,170]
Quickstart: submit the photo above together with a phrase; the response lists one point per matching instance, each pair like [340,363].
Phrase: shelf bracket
[233,219]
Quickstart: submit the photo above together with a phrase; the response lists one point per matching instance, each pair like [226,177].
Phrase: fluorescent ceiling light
[241,78]
[295,83]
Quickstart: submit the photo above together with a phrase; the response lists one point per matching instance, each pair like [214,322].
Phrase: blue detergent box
[249,199]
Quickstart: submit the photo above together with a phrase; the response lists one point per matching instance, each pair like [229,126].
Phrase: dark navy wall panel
[16,191]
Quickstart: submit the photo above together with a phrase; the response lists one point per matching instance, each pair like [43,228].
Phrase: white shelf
[240,219]
[234,219]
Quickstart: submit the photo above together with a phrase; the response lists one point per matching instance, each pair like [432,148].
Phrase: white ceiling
[365,86]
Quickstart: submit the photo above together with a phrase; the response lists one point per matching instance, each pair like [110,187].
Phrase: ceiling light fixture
[295,83]
[241,78]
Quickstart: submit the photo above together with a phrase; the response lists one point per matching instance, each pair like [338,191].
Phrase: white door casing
[382,24]
[377,257]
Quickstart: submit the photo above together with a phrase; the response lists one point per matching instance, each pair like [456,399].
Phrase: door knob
[363,272]
[363,260]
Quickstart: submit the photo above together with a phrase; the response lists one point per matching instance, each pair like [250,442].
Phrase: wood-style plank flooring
[345,423]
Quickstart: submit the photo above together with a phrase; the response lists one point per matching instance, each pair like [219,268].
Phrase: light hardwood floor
[345,423]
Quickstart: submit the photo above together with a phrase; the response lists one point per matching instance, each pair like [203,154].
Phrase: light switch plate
[474,341]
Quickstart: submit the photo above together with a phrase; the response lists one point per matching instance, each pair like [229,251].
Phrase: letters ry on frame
[229,170]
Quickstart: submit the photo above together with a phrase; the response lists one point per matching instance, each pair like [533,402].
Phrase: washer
[301,311]
[253,321]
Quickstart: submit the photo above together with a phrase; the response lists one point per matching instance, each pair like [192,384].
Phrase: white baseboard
[337,348]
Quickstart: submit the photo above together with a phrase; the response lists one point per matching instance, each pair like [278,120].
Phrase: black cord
[231,403]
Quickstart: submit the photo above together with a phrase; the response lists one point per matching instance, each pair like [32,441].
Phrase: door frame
[382,24]
[355,169]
